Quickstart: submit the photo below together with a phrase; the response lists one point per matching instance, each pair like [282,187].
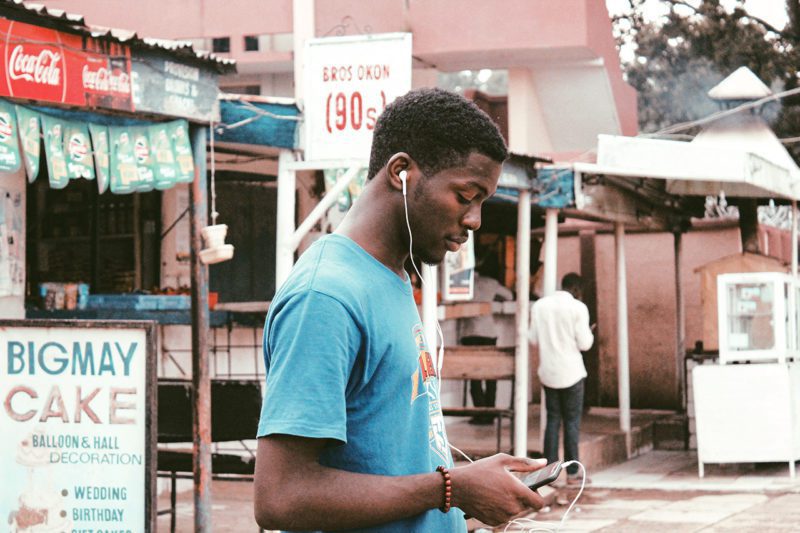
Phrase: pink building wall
[651,306]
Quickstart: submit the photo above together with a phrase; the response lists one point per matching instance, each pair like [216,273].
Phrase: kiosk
[748,406]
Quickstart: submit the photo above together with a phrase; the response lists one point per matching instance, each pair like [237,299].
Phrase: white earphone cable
[542,526]
[440,356]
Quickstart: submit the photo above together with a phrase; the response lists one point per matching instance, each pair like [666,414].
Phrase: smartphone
[543,476]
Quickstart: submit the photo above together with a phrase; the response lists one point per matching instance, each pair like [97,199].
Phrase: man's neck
[374,223]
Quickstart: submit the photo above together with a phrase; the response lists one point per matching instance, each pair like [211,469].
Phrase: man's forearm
[327,498]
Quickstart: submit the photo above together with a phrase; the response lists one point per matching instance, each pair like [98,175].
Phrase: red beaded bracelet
[448,488]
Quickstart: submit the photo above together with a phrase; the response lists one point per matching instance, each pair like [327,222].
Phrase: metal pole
[201,381]
[792,289]
[680,320]
[521,360]
[623,371]
[550,251]
[548,288]
[794,238]
[429,288]
[284,227]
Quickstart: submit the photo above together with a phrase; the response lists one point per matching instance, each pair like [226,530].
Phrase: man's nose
[472,219]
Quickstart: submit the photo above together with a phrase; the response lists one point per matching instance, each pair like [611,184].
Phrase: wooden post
[201,381]
[748,225]
[680,321]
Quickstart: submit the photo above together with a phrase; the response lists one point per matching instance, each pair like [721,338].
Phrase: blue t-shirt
[347,360]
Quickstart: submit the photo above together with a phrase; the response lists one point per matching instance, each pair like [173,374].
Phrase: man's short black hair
[571,282]
[437,128]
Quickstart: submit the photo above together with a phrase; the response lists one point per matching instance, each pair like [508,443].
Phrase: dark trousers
[481,397]
[567,405]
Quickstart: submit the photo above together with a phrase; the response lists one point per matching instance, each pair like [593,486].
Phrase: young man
[560,326]
[351,433]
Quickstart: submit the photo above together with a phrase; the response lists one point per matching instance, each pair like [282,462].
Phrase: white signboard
[458,273]
[349,81]
[74,425]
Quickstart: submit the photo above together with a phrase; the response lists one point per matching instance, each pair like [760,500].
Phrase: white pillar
[284,227]
[527,124]
[550,251]
[429,288]
[303,23]
[521,360]
[548,287]
[623,370]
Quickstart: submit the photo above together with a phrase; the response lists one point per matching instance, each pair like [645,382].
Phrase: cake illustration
[41,508]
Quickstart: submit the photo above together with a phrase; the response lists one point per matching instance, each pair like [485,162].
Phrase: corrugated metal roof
[74,22]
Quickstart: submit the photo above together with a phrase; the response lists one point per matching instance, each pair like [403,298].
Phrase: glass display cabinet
[758,314]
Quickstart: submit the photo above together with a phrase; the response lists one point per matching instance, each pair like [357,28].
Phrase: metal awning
[258,121]
[693,169]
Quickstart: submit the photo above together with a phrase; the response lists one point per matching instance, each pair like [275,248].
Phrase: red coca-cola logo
[34,69]
[42,67]
[105,80]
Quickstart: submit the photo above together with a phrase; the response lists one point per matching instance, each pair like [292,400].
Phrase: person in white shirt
[560,326]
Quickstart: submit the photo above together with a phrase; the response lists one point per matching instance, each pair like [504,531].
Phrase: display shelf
[757,317]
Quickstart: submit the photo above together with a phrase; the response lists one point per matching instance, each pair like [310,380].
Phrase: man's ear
[400,162]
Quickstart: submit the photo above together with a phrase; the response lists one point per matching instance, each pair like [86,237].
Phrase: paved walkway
[677,471]
[657,492]
[623,511]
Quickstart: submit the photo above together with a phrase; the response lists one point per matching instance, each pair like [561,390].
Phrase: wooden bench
[235,412]
[481,363]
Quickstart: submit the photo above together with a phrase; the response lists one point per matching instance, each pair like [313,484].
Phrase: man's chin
[433,259]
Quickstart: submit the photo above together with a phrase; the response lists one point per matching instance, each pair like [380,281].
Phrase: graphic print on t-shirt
[426,383]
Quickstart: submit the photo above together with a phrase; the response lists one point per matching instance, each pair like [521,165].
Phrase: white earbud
[403,175]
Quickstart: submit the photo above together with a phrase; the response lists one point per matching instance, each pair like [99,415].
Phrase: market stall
[99,130]
[735,155]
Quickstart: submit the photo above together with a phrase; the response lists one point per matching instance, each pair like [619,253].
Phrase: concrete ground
[677,471]
[654,511]
[657,492]
[660,491]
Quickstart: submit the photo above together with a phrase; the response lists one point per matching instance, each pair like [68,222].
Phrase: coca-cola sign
[105,80]
[34,68]
[42,67]
[51,66]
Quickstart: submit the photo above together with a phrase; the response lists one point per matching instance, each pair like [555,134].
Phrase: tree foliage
[682,55]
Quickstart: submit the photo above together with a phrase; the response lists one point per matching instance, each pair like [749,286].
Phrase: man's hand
[488,491]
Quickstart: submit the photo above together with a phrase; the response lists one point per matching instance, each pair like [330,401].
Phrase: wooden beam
[478,362]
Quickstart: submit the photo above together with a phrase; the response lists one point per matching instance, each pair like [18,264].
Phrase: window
[221,45]
[251,43]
